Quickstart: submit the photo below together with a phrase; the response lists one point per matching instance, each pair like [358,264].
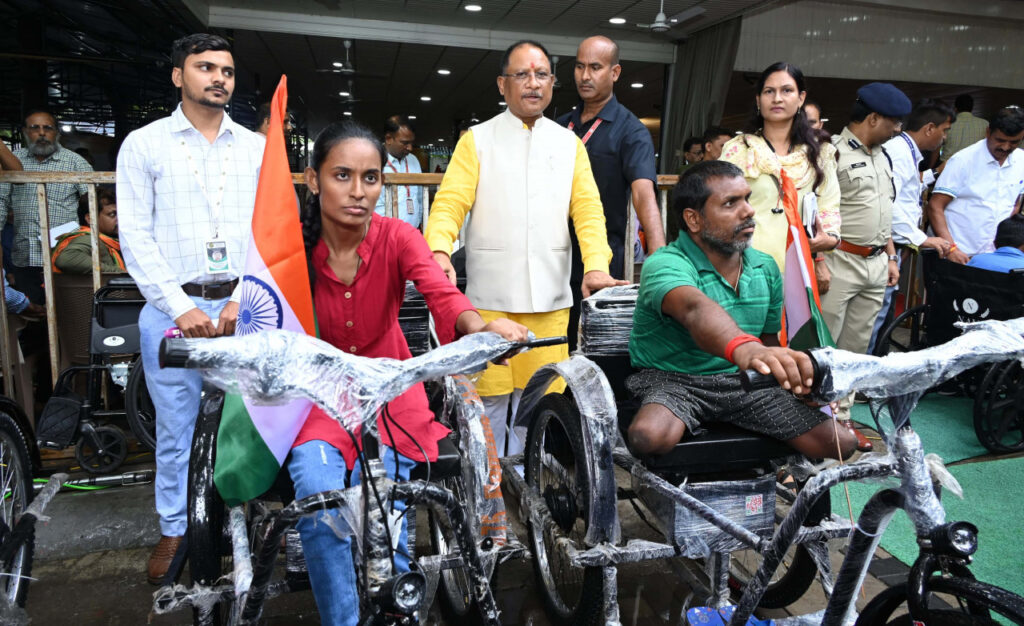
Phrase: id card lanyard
[214,205]
[586,136]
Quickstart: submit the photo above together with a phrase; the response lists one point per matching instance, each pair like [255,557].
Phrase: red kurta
[362,319]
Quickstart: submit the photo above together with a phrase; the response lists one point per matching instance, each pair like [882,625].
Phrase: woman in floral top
[780,140]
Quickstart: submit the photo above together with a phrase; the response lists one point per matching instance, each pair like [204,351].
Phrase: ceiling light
[618,20]
[412,117]
[502,103]
[337,64]
[473,8]
[347,112]
[637,85]
[444,72]
[344,94]
[65,128]
[440,140]
[425,98]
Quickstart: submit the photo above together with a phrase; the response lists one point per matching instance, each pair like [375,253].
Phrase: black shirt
[620,151]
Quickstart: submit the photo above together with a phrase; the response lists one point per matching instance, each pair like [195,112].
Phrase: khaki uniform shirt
[866,191]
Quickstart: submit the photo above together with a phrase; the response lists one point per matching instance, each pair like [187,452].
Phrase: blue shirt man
[1009,243]
[399,140]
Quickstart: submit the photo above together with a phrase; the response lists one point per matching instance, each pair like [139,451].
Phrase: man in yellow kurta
[521,177]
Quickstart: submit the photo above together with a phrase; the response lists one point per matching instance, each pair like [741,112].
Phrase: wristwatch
[894,258]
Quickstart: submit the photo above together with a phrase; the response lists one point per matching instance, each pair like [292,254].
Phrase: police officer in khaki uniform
[864,263]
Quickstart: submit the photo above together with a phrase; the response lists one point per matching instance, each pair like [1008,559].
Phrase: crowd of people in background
[542,207]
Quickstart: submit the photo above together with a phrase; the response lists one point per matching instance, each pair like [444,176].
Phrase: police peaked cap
[884,99]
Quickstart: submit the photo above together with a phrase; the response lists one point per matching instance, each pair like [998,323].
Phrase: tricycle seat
[447,465]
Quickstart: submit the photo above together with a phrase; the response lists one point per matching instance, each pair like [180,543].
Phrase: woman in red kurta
[359,263]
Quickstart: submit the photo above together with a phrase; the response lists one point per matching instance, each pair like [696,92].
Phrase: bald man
[621,154]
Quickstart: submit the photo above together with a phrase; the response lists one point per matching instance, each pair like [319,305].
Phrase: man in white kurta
[521,177]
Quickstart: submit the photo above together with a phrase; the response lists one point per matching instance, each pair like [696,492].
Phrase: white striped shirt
[164,216]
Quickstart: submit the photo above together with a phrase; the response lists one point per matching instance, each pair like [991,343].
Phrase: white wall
[877,43]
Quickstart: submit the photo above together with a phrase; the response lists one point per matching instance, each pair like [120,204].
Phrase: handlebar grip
[173,352]
[540,342]
[753,380]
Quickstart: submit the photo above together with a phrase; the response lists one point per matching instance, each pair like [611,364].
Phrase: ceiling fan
[661,24]
[345,67]
[347,96]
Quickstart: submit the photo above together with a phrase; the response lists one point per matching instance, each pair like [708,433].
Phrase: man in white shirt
[186,186]
[924,131]
[399,140]
[980,187]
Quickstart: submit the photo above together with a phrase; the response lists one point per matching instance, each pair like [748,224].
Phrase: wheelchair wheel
[999,408]
[789,583]
[556,469]
[16,478]
[904,334]
[454,586]
[139,407]
[104,451]
[978,603]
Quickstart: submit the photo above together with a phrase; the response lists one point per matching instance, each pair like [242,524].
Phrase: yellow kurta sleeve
[587,215]
[455,197]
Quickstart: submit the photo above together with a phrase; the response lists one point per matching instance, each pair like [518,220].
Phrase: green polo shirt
[660,342]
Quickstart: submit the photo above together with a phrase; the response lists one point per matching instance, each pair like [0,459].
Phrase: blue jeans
[318,466]
[175,395]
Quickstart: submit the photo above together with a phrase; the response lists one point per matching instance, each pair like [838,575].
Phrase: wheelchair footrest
[710,616]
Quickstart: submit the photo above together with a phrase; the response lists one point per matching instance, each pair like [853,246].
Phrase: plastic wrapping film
[610,587]
[902,373]
[277,366]
[240,551]
[481,469]
[606,319]
[596,405]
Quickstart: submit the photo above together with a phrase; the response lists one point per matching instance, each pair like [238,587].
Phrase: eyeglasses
[521,77]
[46,128]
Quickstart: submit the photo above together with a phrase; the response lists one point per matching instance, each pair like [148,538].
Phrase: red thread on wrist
[736,342]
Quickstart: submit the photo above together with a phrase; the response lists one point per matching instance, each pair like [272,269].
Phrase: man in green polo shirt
[708,305]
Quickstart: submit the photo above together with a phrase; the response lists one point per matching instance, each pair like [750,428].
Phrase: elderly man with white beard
[42,153]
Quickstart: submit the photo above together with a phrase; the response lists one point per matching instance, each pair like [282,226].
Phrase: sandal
[787,480]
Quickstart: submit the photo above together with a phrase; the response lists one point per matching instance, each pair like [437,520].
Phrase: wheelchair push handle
[541,342]
[753,380]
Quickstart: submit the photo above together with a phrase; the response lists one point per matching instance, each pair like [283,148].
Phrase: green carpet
[993,497]
[946,426]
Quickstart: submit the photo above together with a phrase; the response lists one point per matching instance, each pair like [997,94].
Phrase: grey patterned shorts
[719,398]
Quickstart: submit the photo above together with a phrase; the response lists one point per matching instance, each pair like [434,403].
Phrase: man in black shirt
[621,156]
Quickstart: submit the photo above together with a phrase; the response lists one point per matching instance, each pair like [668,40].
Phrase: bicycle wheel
[790,582]
[139,407]
[977,602]
[896,338]
[454,585]
[556,469]
[16,480]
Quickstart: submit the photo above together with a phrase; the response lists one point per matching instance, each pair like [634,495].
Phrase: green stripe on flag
[245,466]
[814,333]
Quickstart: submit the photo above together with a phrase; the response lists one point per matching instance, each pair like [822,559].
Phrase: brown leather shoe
[862,442]
[161,557]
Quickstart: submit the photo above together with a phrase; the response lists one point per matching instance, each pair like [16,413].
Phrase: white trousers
[496,408]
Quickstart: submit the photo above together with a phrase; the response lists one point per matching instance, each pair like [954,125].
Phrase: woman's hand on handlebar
[793,370]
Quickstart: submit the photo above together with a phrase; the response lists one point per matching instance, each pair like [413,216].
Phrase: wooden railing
[428,182]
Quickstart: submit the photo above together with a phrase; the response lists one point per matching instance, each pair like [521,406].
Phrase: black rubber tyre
[792,580]
[998,408]
[454,587]
[978,601]
[557,470]
[886,343]
[139,407]
[104,455]
[16,479]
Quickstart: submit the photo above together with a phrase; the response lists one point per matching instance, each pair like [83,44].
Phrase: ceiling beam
[430,34]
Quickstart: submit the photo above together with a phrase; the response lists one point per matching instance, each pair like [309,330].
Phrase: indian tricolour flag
[802,324]
[253,441]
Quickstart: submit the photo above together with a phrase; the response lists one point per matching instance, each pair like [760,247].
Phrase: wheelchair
[711,499]
[958,293]
[99,337]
